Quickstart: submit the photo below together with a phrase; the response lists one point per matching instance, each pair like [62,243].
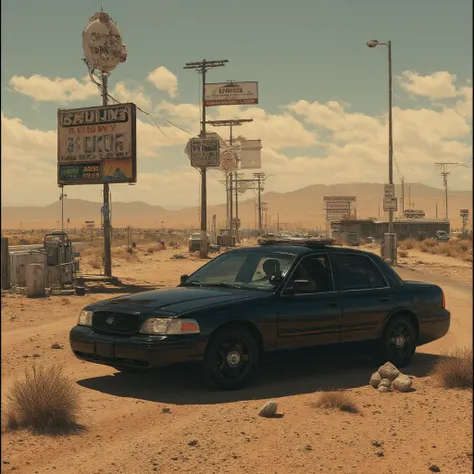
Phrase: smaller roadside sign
[464,212]
[390,204]
[340,198]
[388,191]
[204,152]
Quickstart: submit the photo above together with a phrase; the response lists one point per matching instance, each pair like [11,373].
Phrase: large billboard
[231,93]
[340,198]
[97,145]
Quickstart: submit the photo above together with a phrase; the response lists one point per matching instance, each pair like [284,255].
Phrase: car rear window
[357,272]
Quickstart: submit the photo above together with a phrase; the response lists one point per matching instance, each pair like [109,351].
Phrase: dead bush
[337,400]
[430,243]
[403,253]
[408,244]
[45,401]
[454,369]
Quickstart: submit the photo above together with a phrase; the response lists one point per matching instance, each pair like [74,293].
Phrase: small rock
[308,447]
[193,442]
[56,346]
[377,444]
[434,468]
[402,383]
[379,454]
[375,380]
[166,410]
[383,388]
[269,409]
[388,371]
[385,383]
[35,355]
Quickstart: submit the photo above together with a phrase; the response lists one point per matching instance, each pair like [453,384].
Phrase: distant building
[405,228]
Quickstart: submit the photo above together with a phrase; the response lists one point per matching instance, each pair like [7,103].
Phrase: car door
[366,296]
[313,318]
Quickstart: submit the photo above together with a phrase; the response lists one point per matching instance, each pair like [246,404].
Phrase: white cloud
[44,89]
[439,85]
[164,80]
[351,147]
[137,96]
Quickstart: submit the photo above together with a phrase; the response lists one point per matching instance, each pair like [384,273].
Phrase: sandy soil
[126,430]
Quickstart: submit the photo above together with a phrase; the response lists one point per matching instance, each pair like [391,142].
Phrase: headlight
[85,318]
[169,326]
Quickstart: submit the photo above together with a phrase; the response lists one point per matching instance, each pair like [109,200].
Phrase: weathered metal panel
[19,262]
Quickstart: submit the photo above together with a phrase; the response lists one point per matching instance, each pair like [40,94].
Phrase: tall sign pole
[202,67]
[104,51]
[260,177]
[229,181]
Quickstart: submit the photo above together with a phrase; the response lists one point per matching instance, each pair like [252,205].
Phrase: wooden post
[5,264]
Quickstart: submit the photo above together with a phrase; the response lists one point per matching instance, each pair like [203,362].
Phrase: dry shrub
[96,263]
[408,244]
[430,243]
[403,253]
[454,369]
[337,400]
[45,401]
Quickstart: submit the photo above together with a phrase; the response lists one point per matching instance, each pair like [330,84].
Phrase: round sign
[102,43]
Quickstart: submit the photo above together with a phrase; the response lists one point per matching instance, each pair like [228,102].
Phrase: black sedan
[275,296]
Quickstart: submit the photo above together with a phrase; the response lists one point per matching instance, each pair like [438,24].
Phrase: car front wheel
[398,343]
[232,358]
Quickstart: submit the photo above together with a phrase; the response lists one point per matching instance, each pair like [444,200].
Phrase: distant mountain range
[300,208]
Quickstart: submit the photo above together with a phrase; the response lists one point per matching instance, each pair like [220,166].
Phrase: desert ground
[169,421]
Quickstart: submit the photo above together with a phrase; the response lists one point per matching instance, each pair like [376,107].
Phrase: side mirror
[300,286]
[184,278]
[276,279]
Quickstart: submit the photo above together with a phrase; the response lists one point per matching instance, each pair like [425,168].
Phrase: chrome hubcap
[233,358]
[400,342]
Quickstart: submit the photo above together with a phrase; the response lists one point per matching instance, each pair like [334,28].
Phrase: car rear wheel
[398,343]
[232,358]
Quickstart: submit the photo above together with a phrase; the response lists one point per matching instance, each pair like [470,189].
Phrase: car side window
[314,269]
[357,272]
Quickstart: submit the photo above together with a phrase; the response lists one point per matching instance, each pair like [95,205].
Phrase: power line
[443,166]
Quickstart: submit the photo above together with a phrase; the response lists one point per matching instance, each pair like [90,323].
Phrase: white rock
[388,371]
[375,380]
[384,388]
[402,383]
[269,409]
[385,383]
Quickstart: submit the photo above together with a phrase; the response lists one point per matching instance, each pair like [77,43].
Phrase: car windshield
[243,269]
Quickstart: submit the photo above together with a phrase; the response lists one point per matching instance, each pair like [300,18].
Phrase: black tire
[232,358]
[398,342]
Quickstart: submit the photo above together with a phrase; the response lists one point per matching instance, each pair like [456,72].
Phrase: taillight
[443,300]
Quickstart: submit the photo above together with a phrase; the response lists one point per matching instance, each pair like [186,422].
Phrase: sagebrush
[454,369]
[44,401]
[338,400]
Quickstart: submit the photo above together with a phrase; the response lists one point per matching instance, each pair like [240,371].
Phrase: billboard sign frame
[97,145]
[204,152]
[230,93]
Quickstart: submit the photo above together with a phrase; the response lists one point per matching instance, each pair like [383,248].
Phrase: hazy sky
[322,114]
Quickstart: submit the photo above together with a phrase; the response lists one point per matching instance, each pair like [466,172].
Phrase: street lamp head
[373,43]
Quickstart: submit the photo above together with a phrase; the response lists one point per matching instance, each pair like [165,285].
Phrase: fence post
[5,264]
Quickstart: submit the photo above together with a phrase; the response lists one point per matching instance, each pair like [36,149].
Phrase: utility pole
[236,182]
[61,198]
[260,180]
[228,174]
[106,204]
[202,67]
[402,206]
[444,173]
[436,210]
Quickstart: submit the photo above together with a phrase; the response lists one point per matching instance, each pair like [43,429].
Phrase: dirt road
[127,431]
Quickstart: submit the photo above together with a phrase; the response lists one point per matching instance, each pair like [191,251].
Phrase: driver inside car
[271,267]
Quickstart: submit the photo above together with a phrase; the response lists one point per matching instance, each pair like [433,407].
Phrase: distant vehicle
[442,236]
[281,294]
[194,242]
[352,238]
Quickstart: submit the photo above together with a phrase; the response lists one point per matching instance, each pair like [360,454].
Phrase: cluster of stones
[388,377]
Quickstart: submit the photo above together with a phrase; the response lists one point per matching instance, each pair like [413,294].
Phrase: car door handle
[333,303]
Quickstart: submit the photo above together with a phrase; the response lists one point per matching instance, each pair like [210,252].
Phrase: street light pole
[373,44]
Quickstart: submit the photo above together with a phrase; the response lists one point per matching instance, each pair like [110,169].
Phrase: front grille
[116,323]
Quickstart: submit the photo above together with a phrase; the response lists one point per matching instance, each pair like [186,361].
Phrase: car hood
[180,299]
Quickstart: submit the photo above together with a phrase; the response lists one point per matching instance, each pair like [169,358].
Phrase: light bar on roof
[311,242]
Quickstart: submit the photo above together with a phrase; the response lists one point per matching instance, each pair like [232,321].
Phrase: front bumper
[137,351]
[433,326]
